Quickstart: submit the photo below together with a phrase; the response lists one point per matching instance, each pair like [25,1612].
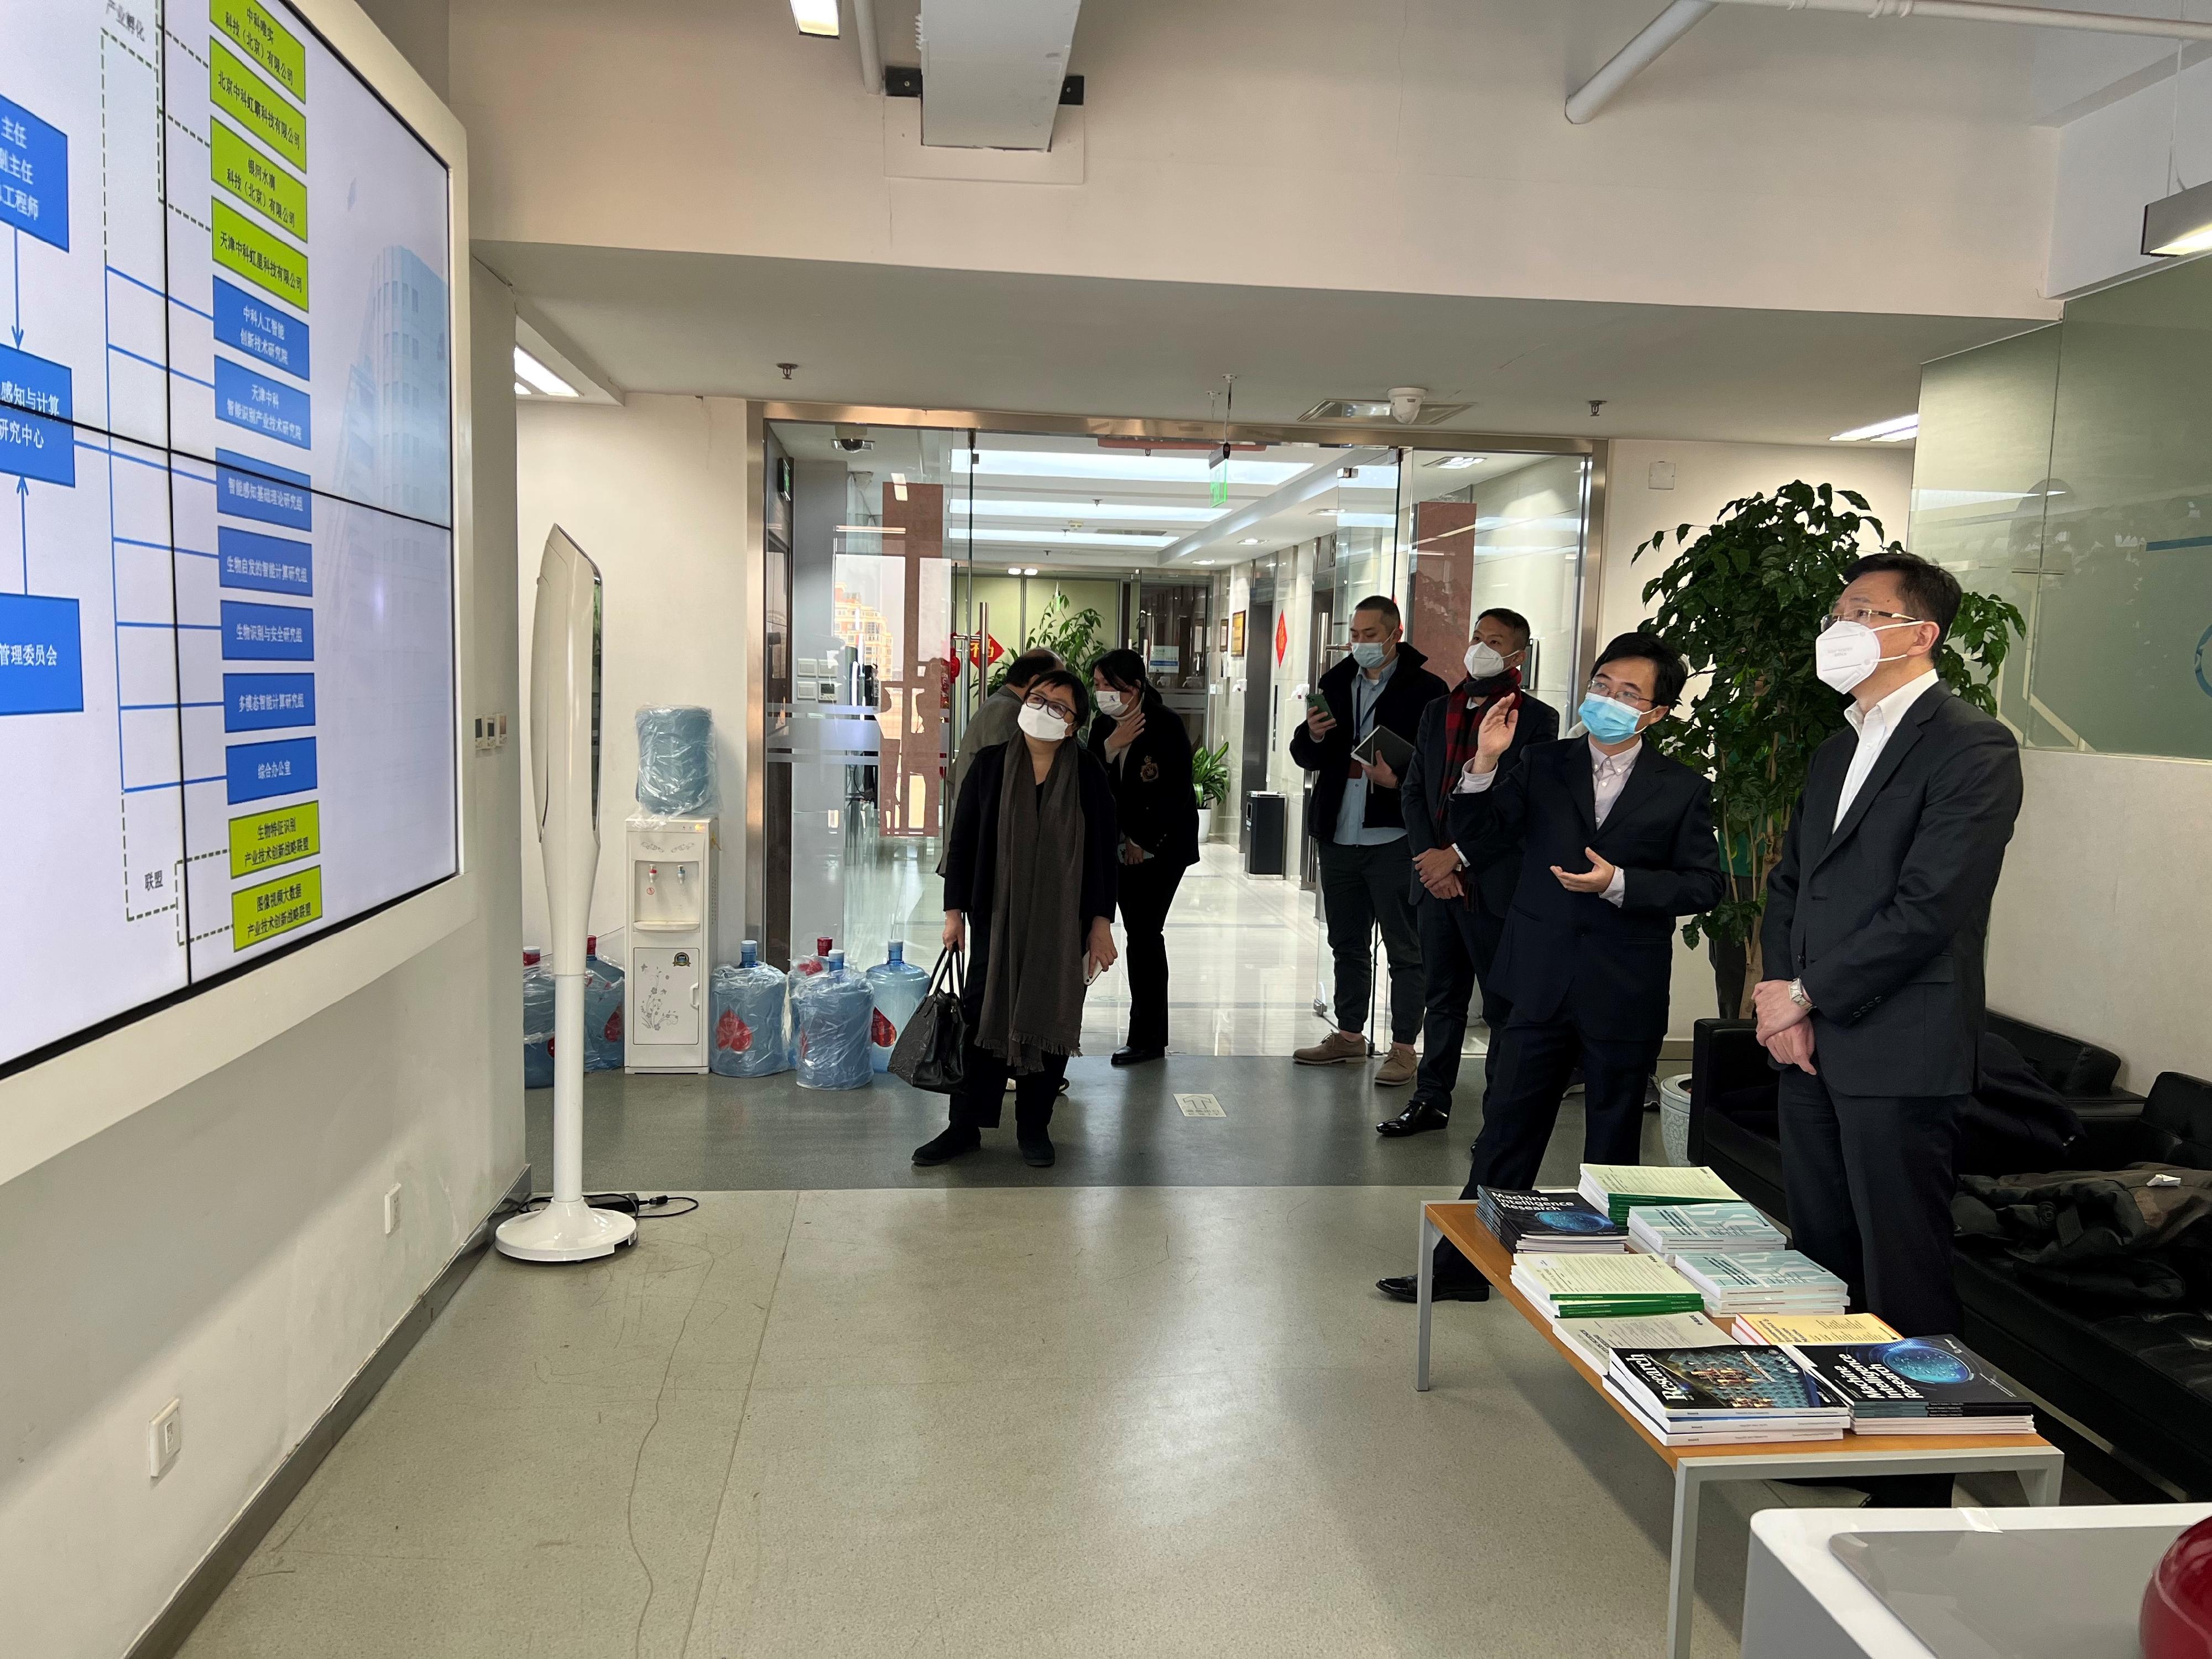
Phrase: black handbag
[932,1052]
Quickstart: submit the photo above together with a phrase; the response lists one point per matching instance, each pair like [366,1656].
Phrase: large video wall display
[227,703]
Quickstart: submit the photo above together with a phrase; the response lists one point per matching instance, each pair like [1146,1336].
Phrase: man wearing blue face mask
[1618,843]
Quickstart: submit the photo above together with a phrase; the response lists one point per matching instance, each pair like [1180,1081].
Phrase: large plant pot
[1205,825]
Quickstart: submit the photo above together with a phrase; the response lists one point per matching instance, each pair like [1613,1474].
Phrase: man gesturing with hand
[1617,843]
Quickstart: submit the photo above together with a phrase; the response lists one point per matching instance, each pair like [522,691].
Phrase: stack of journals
[1556,1222]
[1673,1229]
[1800,1330]
[1917,1385]
[1708,1396]
[1770,1281]
[1594,1340]
[1590,1287]
[1617,1188]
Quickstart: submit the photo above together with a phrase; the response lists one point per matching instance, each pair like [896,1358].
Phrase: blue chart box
[260,330]
[267,633]
[271,564]
[34,175]
[255,771]
[247,489]
[261,404]
[41,656]
[265,702]
[35,439]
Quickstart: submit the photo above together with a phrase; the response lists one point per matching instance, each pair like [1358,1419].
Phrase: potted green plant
[1077,637]
[1209,780]
[1743,602]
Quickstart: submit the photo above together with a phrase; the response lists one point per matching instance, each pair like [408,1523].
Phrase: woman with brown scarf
[1029,894]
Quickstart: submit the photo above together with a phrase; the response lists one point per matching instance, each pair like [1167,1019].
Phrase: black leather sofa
[2141,1382]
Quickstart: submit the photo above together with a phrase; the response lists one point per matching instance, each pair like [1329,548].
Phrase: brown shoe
[1398,1067]
[1336,1049]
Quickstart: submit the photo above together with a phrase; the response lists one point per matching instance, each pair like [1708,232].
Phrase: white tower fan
[565,764]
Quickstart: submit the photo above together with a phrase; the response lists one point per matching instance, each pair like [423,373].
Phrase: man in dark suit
[1873,939]
[1617,842]
[1461,908]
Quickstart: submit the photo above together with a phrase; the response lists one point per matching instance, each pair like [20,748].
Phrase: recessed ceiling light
[1013,570]
[899,485]
[816,17]
[1893,431]
[1206,562]
[1458,462]
[1249,541]
[540,378]
[1031,571]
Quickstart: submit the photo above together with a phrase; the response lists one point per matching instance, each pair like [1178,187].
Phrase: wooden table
[2037,1463]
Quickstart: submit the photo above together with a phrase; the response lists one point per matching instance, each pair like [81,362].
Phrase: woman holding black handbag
[1143,745]
[1028,894]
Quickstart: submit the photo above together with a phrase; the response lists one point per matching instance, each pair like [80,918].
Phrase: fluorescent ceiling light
[1133,466]
[540,378]
[1459,463]
[1249,541]
[1013,570]
[1893,431]
[2179,224]
[870,530]
[1014,506]
[1368,409]
[1064,538]
[899,485]
[1031,571]
[815,16]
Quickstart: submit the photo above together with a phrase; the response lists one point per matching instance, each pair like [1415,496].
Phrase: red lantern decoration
[2176,1606]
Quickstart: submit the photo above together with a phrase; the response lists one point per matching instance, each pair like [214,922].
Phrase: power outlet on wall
[392,1212]
[165,1438]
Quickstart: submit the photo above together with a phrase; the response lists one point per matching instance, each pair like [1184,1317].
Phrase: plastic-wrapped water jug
[676,762]
[832,1010]
[603,1011]
[537,1022]
[807,968]
[896,987]
[749,1035]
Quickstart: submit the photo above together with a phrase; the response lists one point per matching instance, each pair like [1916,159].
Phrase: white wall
[654,492]
[1424,139]
[1707,476]
[2100,924]
[2113,161]
[226,1246]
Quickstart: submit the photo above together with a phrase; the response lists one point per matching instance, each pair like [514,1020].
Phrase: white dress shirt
[1873,727]
[1608,777]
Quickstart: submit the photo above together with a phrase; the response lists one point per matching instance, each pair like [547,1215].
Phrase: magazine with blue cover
[1913,1376]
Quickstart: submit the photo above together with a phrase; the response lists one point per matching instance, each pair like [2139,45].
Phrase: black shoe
[958,1138]
[1408,1288]
[1036,1151]
[1417,1118]
[1136,1056]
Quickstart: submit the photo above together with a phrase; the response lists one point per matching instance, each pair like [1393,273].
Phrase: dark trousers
[1147,890]
[981,1095]
[1364,888]
[1534,1061]
[1869,1178]
[1459,941]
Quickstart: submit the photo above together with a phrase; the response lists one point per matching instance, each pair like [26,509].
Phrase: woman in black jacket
[1145,749]
[1029,893]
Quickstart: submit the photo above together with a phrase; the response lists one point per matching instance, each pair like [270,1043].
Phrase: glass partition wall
[905,564]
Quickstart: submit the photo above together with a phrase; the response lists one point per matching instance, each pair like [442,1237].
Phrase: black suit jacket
[1573,956]
[1421,797]
[1885,915]
[1412,689]
[1153,795]
[971,858]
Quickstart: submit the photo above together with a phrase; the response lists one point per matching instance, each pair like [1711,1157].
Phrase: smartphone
[1317,703]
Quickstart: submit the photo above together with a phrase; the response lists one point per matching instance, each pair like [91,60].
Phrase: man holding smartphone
[1366,870]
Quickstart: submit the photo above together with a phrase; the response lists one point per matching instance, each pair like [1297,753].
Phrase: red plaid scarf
[1463,721]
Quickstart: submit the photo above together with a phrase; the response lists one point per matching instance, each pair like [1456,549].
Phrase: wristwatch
[1798,996]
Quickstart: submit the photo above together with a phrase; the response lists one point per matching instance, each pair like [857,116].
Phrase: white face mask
[1110,703]
[1482,662]
[1042,724]
[1847,652]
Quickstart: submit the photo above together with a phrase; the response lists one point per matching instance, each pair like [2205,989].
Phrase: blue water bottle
[896,987]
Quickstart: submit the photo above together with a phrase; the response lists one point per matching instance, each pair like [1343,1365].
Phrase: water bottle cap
[822,945]
[590,944]
[748,953]
[531,958]
[836,958]
[898,952]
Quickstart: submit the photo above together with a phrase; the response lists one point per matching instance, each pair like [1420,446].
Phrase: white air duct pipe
[871,52]
[1625,65]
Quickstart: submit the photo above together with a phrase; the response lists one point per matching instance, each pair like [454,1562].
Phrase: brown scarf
[1033,983]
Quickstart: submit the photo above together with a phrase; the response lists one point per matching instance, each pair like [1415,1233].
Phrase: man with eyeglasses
[1617,842]
[1872,945]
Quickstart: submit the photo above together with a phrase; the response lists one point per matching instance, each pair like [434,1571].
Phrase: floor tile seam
[737,1438]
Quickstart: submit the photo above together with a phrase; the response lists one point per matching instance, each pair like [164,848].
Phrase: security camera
[1406,404]
[854,445]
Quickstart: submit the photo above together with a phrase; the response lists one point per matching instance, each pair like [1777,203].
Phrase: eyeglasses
[1863,615]
[1628,694]
[1038,700]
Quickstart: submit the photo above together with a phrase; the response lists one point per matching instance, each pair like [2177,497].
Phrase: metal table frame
[2039,1465]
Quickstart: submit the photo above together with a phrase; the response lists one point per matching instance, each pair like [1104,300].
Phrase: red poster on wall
[1282,637]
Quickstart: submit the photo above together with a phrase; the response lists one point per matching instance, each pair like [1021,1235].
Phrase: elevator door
[1259,694]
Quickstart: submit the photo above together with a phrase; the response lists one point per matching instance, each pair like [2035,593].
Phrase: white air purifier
[564,763]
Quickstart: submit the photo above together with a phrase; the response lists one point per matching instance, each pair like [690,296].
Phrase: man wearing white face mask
[1873,942]
[1461,909]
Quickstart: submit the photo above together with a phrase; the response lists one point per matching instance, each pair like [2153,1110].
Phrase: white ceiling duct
[991,70]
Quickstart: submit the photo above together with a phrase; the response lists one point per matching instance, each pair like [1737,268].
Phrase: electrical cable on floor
[645,1209]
